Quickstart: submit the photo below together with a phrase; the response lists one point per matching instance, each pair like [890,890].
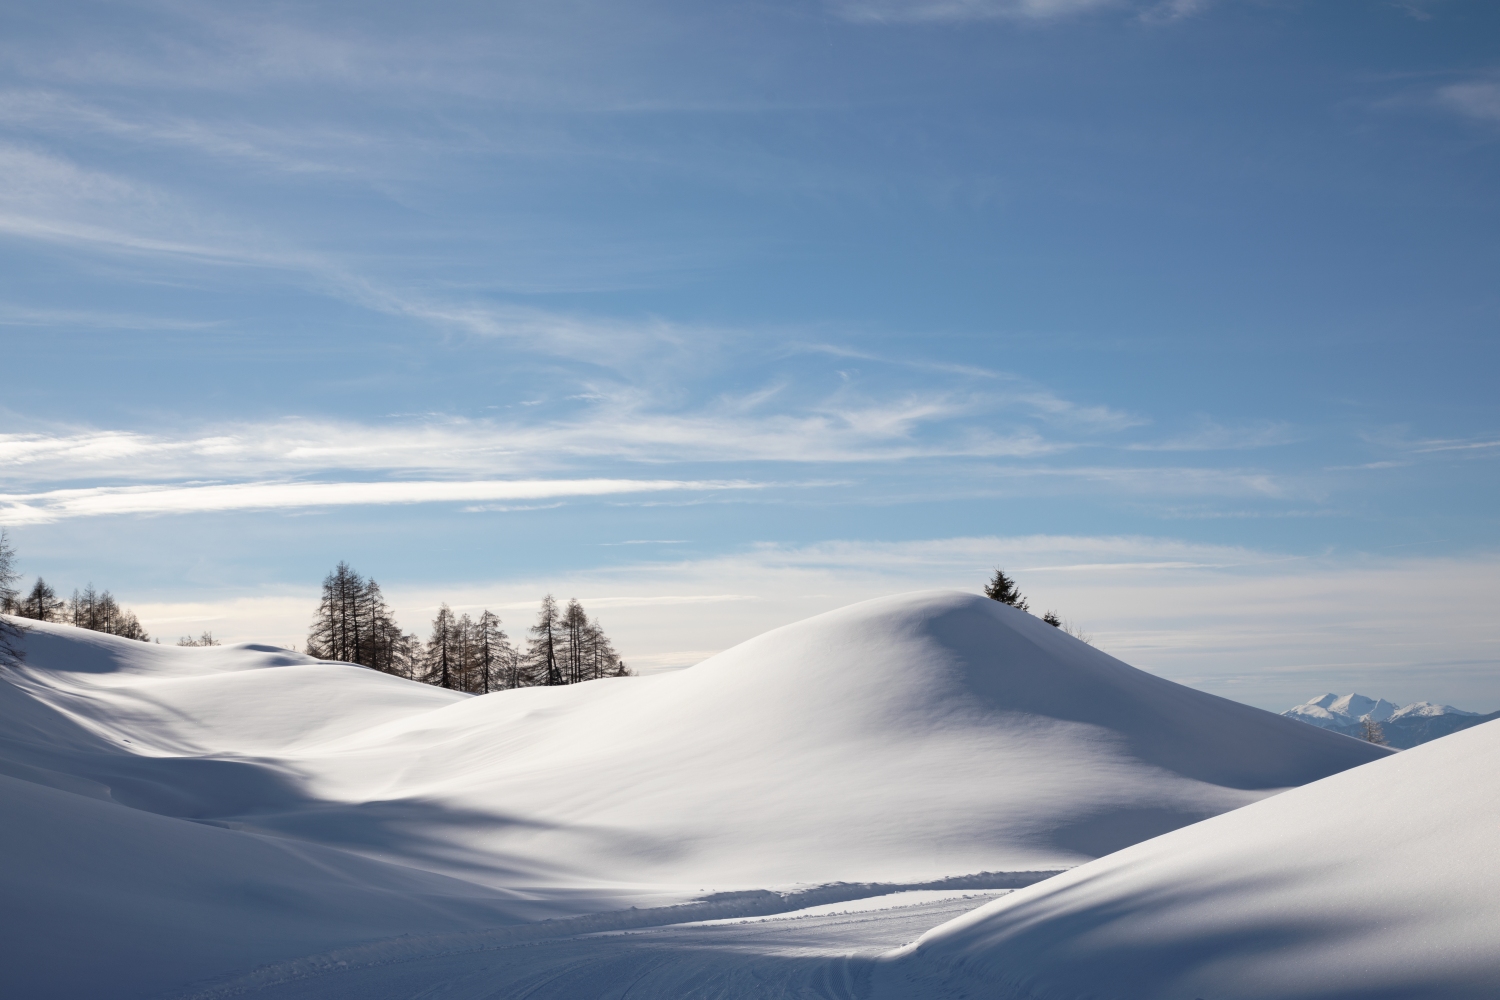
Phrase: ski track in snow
[812,953]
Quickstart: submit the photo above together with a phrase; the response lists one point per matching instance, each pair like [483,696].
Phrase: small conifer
[1003,589]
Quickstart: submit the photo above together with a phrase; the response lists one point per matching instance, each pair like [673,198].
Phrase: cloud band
[57,505]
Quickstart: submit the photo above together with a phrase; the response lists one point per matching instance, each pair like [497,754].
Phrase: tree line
[354,624]
[88,608]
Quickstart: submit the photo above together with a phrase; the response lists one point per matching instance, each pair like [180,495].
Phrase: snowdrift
[1378,882]
[906,738]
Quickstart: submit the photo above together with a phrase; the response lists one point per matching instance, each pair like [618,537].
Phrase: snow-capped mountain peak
[1426,709]
[1403,727]
[1342,712]
[1349,707]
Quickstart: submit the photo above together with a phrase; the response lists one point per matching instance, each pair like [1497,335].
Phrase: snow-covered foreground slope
[100,900]
[301,806]
[1380,882]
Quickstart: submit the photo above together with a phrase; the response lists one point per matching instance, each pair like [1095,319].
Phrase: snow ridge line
[717,906]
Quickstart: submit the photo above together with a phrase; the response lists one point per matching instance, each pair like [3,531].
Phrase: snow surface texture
[1309,894]
[1404,727]
[822,952]
[899,741]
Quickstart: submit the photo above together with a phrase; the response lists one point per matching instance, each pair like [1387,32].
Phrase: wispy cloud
[283,148]
[1436,446]
[608,342]
[621,427]
[49,198]
[191,498]
[1478,98]
[962,10]
[19,315]
[556,58]
[1038,553]
[1406,445]
[1165,480]
[52,199]
[918,364]
[1017,391]
[1210,436]
[939,11]
[648,541]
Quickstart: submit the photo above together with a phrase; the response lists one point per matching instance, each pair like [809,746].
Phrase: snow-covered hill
[899,740]
[1403,727]
[1312,895]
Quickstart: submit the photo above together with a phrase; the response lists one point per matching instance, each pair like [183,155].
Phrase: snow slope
[254,805]
[1309,895]
[900,739]
[100,900]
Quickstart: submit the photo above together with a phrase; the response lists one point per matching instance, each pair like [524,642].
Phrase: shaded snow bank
[104,901]
[1312,895]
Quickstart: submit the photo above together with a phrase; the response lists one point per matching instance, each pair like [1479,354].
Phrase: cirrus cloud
[193,498]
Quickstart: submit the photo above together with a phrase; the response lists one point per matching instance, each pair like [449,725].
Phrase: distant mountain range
[1403,727]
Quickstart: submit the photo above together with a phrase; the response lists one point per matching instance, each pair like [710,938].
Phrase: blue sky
[721,315]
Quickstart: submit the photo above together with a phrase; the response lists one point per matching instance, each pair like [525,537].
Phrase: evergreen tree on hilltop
[335,631]
[353,624]
[541,645]
[41,603]
[584,652]
[444,649]
[8,575]
[493,652]
[603,661]
[576,640]
[10,632]
[386,647]
[1003,589]
[468,653]
[1051,619]
[102,613]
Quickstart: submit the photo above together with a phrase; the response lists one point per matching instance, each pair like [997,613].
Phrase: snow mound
[1306,895]
[898,740]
